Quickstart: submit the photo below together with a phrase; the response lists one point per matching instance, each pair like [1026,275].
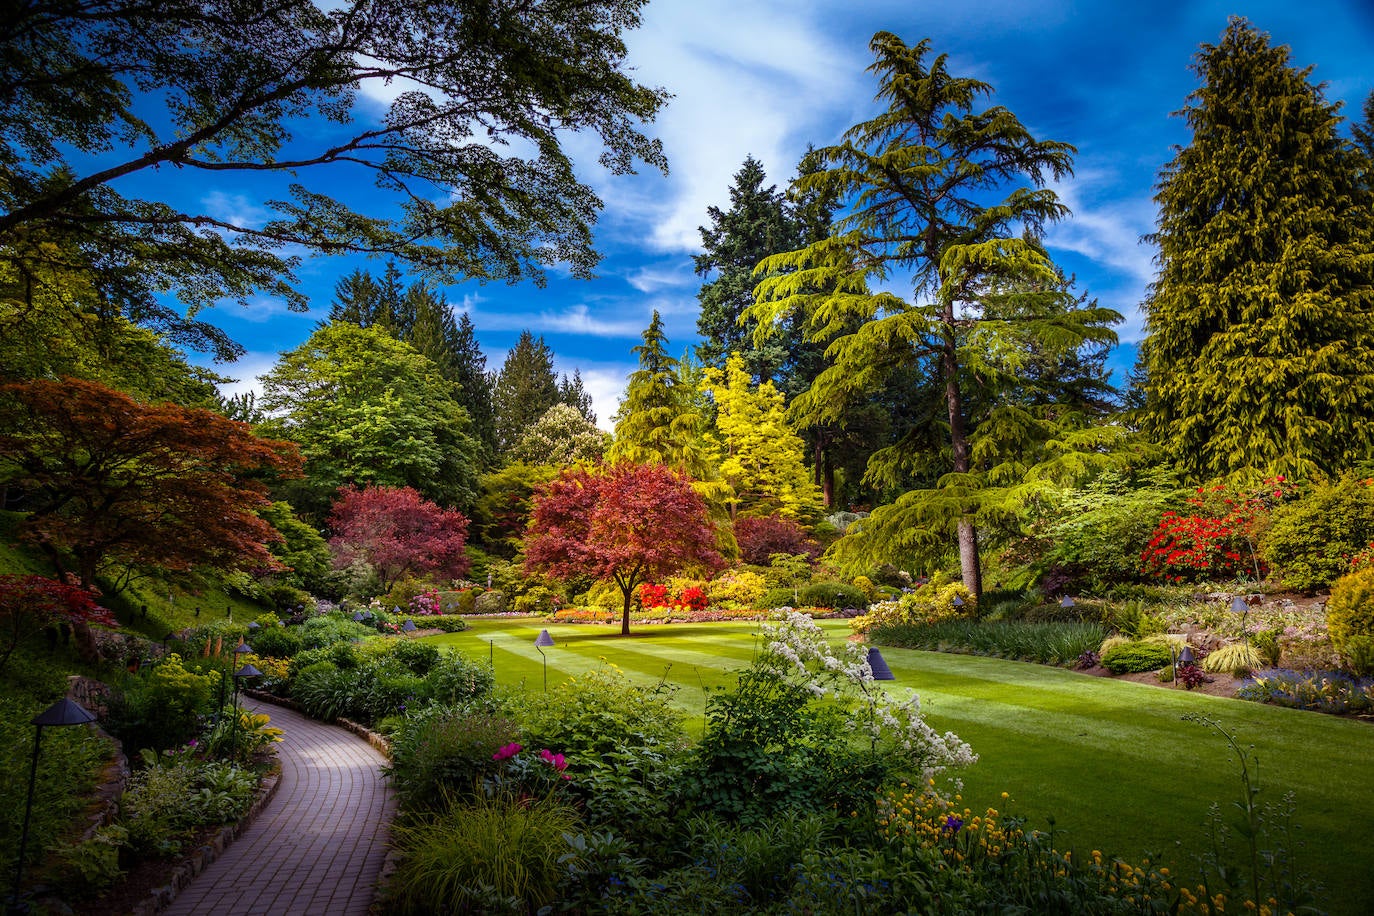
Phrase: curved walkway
[318,846]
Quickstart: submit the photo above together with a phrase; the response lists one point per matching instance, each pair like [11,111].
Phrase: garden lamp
[957,602]
[245,671]
[1186,656]
[409,626]
[1239,605]
[63,712]
[1066,601]
[881,671]
[540,641]
[254,625]
[357,616]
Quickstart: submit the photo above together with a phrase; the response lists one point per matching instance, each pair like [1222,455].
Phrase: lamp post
[246,671]
[956,602]
[1066,602]
[1242,607]
[540,641]
[63,712]
[881,671]
[409,626]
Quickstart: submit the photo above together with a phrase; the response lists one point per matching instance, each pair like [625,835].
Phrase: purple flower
[953,823]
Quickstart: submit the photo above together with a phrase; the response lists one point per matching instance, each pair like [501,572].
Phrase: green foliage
[1350,609]
[457,679]
[483,855]
[1324,691]
[162,706]
[92,866]
[490,602]
[1309,542]
[446,752]
[325,691]
[173,794]
[1049,643]
[832,595]
[331,629]
[736,588]
[277,641]
[367,409]
[1136,656]
[1091,537]
[1257,319]
[525,389]
[929,604]
[560,437]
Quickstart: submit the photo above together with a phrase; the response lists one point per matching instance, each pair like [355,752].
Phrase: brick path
[317,848]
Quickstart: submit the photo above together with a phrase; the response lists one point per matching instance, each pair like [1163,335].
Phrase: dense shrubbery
[1128,657]
[1350,619]
[1309,542]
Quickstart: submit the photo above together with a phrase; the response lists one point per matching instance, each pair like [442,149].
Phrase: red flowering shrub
[653,595]
[692,598]
[1218,539]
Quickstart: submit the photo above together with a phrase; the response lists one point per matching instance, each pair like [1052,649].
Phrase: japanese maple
[627,523]
[28,604]
[398,532]
[115,487]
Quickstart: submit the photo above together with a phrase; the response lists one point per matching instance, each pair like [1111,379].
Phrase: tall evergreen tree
[1261,318]
[476,384]
[756,225]
[657,422]
[955,197]
[525,388]
[573,393]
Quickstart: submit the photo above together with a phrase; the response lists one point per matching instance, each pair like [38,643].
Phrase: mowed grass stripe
[1111,761]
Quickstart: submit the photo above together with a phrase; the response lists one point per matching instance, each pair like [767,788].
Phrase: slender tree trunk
[958,434]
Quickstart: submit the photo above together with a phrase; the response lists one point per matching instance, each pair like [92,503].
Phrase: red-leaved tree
[398,532]
[629,523]
[759,537]
[28,604]
[113,486]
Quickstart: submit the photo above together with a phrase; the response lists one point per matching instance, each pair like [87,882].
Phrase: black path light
[357,616]
[1242,607]
[246,671]
[881,671]
[63,712]
[540,641]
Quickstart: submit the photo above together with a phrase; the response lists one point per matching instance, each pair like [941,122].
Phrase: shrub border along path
[1112,761]
[320,846]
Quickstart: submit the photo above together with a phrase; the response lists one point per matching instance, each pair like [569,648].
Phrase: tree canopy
[114,487]
[628,523]
[398,532]
[1261,319]
[366,408]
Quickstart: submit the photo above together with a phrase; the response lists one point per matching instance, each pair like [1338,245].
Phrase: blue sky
[768,77]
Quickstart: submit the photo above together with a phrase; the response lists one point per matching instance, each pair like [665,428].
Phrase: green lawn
[1111,761]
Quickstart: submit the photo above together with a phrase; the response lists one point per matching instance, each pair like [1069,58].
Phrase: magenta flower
[556,761]
[506,752]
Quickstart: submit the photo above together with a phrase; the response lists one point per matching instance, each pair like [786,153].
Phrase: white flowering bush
[796,649]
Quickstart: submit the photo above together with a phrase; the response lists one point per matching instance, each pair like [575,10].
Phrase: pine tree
[525,388]
[657,422]
[756,225]
[476,385]
[953,196]
[1261,318]
[573,393]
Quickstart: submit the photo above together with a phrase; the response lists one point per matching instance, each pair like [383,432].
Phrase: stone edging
[162,897]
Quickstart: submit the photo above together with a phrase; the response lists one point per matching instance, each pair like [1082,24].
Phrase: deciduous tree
[560,437]
[234,86]
[28,604]
[627,523]
[398,533]
[1261,319]
[367,409]
[113,486]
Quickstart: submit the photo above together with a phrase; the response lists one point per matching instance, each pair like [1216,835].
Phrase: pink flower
[556,761]
[507,751]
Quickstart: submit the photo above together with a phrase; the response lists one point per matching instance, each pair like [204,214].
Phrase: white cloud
[247,371]
[574,319]
[604,381]
[653,277]
[235,209]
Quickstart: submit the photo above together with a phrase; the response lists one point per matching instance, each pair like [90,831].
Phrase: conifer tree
[1261,318]
[476,384]
[756,225]
[525,388]
[952,196]
[760,455]
[574,393]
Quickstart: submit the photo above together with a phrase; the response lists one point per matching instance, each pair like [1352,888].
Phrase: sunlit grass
[1112,761]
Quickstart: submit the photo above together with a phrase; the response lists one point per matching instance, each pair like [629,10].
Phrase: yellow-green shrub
[927,605]
[1350,609]
[736,588]
[1237,659]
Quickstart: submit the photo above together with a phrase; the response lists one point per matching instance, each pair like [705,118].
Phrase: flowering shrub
[736,588]
[1218,539]
[426,603]
[1324,691]
[925,606]
[690,598]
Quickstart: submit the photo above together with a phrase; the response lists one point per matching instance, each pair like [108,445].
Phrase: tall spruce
[757,224]
[573,392]
[953,197]
[1261,317]
[525,388]
[477,384]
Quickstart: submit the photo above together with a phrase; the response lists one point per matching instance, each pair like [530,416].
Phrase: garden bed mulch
[1222,685]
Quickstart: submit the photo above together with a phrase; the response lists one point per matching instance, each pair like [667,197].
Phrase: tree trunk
[627,591]
[959,446]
